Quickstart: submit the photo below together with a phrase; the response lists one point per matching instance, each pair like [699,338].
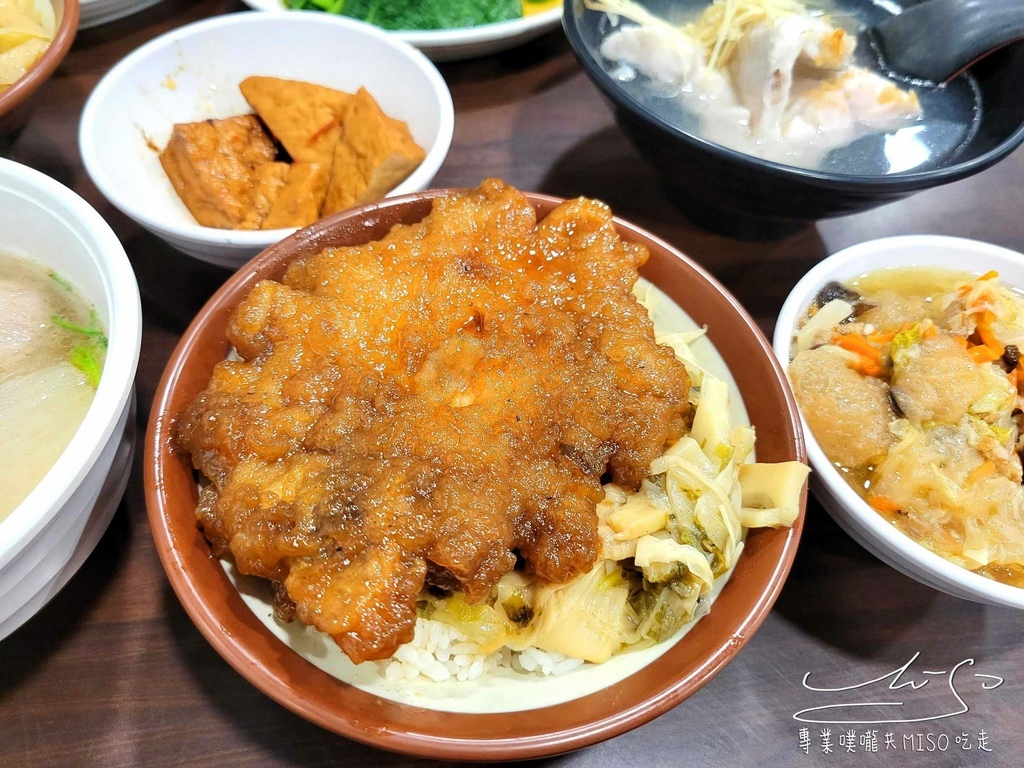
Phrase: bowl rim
[864,183]
[54,54]
[159,453]
[460,36]
[117,380]
[484,33]
[263,238]
[843,265]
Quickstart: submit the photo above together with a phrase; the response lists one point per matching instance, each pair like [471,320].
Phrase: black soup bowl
[722,188]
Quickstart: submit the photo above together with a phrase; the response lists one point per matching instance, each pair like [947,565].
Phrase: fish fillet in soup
[24,336]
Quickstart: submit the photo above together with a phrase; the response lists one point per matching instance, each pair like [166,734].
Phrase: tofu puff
[343,149]
[427,406]
[213,166]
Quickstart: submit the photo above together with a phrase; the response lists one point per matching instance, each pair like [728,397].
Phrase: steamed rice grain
[439,652]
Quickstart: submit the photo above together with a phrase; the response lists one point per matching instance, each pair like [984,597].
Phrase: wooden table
[113,673]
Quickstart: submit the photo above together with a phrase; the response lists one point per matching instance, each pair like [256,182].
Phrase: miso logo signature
[912,702]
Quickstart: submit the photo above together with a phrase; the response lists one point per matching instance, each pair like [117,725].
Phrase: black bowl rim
[909,181]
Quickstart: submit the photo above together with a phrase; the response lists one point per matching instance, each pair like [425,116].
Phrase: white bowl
[192,73]
[845,506]
[464,43]
[48,536]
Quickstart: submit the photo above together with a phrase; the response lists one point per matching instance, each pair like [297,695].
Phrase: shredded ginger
[718,30]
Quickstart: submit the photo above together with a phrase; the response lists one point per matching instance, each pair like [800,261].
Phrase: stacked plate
[96,12]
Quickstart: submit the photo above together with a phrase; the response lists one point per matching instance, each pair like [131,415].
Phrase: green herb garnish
[417,14]
[67,325]
[60,281]
[86,358]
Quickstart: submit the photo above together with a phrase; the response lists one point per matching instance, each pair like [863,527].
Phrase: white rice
[439,652]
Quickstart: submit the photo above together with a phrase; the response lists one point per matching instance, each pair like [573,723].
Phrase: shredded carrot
[990,275]
[961,341]
[869,360]
[869,368]
[1013,378]
[880,338]
[929,332]
[883,504]
[987,336]
[985,470]
[983,354]
[857,344]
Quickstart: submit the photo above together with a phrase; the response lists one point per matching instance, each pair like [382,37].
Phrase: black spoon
[938,39]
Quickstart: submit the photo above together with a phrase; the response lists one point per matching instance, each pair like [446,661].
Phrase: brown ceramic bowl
[12,101]
[239,636]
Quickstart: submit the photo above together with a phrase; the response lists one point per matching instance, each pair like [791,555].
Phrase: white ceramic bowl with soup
[192,73]
[50,531]
[843,503]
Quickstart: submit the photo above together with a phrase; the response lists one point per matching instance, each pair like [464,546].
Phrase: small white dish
[47,537]
[192,73]
[846,507]
[464,43]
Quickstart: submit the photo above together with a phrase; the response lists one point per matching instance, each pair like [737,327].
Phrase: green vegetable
[87,359]
[89,355]
[481,623]
[60,281]
[663,610]
[92,331]
[517,609]
[418,14]
[902,342]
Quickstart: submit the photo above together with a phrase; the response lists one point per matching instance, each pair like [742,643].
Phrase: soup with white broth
[52,349]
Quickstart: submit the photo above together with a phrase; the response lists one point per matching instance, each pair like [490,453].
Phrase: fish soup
[784,81]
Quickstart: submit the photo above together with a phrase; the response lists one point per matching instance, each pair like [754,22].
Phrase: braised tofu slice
[299,202]
[374,155]
[270,179]
[305,118]
[212,166]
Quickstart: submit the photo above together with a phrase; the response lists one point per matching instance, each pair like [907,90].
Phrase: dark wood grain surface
[113,673]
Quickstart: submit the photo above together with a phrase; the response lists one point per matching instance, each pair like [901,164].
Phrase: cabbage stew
[908,379]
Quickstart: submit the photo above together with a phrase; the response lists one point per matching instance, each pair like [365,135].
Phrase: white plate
[465,43]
